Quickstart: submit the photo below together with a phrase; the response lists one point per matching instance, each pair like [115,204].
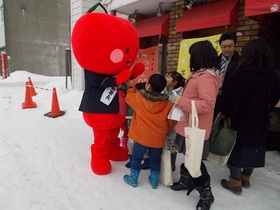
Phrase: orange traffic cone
[28,103]
[31,87]
[55,110]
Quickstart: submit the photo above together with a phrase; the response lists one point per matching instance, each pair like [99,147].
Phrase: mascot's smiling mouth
[128,62]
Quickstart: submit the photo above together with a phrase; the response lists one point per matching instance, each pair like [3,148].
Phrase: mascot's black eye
[127,50]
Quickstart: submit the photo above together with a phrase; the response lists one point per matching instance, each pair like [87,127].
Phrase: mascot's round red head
[106,47]
[104,43]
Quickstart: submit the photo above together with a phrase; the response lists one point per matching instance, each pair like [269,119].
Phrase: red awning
[220,13]
[259,7]
[153,26]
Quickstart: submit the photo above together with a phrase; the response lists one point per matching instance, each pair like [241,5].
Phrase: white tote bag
[166,176]
[194,138]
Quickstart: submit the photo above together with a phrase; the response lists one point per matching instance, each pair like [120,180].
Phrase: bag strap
[217,120]
[227,123]
[193,118]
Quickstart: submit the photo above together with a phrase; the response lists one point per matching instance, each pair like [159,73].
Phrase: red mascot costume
[106,47]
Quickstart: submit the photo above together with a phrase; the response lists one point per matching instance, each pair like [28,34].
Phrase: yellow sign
[184,56]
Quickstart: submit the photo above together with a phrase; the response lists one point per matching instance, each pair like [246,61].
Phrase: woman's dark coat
[251,95]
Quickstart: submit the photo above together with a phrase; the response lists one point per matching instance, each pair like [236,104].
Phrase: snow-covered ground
[44,162]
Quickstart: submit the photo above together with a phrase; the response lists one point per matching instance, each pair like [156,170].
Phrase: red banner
[149,57]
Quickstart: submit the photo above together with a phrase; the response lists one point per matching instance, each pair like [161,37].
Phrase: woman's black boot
[185,181]
[206,197]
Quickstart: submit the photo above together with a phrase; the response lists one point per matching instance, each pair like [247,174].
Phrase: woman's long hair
[203,55]
[255,53]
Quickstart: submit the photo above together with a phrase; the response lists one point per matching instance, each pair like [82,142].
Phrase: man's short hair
[228,35]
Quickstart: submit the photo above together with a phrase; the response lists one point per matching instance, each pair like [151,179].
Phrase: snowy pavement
[44,162]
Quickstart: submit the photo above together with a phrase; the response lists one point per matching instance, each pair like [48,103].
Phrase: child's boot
[132,179]
[154,179]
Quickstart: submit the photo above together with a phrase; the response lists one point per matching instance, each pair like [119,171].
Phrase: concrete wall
[78,8]
[2,29]
[37,33]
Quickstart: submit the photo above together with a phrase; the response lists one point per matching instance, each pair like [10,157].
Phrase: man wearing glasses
[228,59]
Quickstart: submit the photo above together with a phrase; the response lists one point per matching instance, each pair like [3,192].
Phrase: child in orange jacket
[149,127]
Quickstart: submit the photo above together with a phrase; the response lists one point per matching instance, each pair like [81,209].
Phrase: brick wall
[248,28]
[176,11]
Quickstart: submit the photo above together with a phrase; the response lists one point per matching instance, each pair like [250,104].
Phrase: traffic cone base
[49,114]
[28,103]
[55,110]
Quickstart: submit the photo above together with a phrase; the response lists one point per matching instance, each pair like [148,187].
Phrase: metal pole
[68,65]
[4,65]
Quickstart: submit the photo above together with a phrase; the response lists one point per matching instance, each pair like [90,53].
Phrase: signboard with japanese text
[149,57]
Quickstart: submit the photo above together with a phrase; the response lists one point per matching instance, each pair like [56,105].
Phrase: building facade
[37,34]
[201,21]
[2,28]
[247,28]
[78,8]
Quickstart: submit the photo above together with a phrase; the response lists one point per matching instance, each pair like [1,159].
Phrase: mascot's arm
[123,76]
[101,80]
[137,70]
